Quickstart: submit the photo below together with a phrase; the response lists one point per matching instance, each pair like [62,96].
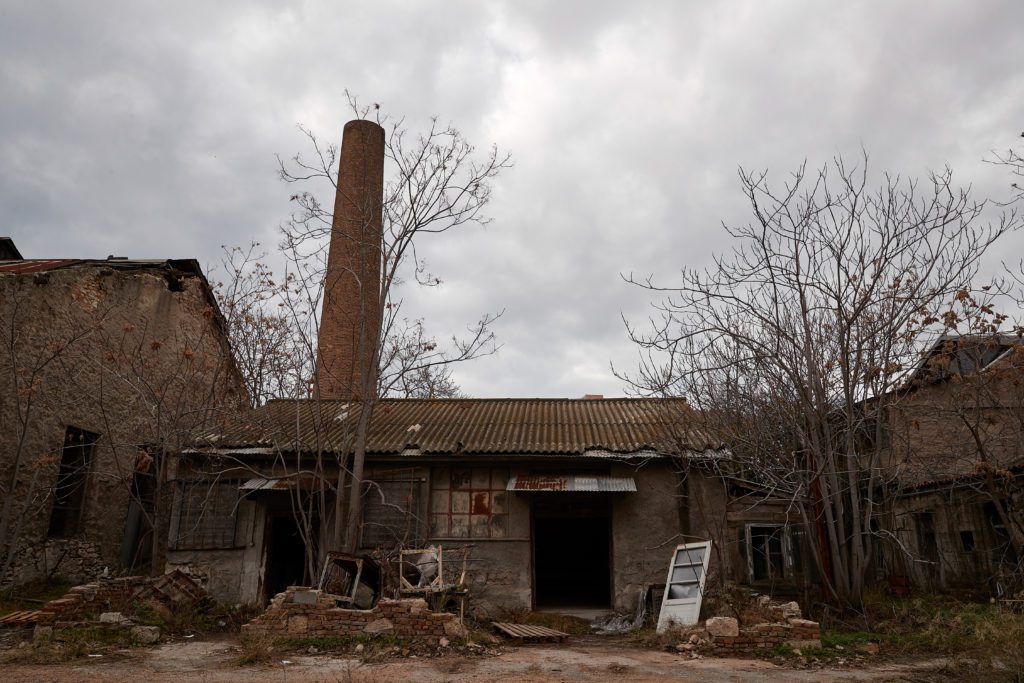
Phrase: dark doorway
[571,552]
[286,556]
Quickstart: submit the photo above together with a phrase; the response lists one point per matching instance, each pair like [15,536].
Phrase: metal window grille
[207,514]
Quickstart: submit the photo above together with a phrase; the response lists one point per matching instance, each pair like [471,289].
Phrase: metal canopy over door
[684,587]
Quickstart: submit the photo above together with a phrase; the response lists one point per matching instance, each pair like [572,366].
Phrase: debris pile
[103,603]
[300,612]
[724,636]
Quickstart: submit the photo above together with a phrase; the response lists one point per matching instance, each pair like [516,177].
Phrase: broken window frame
[380,533]
[71,482]
[196,523]
[684,610]
[788,552]
[444,489]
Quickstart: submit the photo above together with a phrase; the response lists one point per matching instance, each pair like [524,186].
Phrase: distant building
[106,366]
[955,438]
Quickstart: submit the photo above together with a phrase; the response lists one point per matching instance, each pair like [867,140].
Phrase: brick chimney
[350,320]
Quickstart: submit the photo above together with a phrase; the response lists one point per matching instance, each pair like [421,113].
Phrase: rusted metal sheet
[284,484]
[571,482]
[604,428]
[34,265]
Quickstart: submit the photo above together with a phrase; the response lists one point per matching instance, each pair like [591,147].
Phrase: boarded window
[391,510]
[469,502]
[69,489]
[206,514]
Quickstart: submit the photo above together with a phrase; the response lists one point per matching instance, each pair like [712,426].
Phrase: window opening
[469,502]
[69,490]
[206,514]
[391,509]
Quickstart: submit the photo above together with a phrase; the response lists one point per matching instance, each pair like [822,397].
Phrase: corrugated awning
[571,482]
[284,484]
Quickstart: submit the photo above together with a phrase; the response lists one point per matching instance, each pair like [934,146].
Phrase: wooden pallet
[23,618]
[529,632]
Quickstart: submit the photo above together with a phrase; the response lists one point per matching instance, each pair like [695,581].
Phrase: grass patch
[70,644]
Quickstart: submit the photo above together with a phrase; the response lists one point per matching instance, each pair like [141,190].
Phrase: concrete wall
[122,354]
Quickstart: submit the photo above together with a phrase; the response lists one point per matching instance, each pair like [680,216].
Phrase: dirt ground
[580,659]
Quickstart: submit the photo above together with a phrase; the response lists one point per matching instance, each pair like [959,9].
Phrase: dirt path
[584,660]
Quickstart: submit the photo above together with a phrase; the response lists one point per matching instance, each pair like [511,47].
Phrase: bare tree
[791,345]
[436,182]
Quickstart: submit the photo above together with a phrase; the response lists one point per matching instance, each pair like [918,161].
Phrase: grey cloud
[148,129]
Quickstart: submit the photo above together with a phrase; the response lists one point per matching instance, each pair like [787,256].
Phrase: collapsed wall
[305,612]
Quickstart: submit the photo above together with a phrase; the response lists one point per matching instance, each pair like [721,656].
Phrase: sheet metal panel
[571,482]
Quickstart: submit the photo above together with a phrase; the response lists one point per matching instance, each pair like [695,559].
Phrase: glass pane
[690,556]
[481,503]
[499,479]
[687,574]
[440,478]
[460,502]
[460,479]
[499,526]
[460,526]
[479,526]
[481,478]
[439,525]
[439,501]
[680,591]
[499,503]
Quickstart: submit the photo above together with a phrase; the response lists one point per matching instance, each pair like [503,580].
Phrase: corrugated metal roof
[476,426]
[571,482]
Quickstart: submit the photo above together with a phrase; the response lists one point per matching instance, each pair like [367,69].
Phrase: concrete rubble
[301,611]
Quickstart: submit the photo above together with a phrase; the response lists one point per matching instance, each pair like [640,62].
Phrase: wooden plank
[529,631]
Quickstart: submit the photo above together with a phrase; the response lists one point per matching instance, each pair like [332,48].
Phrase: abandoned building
[106,366]
[554,502]
[956,442]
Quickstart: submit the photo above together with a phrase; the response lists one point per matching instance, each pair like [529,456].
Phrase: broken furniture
[529,632]
[433,585]
[684,587]
[353,579]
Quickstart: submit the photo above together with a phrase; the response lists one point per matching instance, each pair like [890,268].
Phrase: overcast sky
[149,129]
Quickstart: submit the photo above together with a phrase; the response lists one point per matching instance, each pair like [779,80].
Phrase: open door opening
[286,556]
[572,553]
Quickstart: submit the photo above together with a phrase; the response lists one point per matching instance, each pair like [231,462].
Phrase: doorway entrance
[286,555]
[572,551]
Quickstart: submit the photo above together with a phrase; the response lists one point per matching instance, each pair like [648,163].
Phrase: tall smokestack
[350,321]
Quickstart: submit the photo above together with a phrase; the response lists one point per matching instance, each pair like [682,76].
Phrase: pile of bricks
[750,639]
[304,612]
[91,599]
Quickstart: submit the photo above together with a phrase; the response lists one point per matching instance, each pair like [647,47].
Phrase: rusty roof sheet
[571,482]
[35,265]
[414,427]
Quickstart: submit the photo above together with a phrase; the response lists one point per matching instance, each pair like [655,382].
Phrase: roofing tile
[476,426]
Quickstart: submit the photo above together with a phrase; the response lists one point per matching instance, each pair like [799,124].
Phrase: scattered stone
[112,618]
[694,639]
[790,609]
[870,648]
[360,647]
[723,627]
[764,601]
[684,647]
[147,635]
[444,642]
[802,623]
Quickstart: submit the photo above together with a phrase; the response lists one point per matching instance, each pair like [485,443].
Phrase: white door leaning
[684,587]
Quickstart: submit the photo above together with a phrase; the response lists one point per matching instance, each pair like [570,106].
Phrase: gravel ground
[580,659]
